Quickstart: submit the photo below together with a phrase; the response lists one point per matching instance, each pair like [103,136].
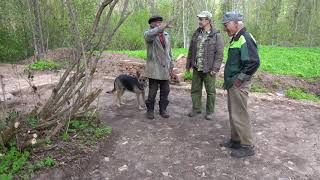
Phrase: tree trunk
[38,35]
[185,25]
[152,7]
[296,15]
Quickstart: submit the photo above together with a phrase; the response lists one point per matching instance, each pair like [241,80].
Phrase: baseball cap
[232,16]
[205,14]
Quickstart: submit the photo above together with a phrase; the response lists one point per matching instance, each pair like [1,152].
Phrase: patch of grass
[298,62]
[143,53]
[259,89]
[312,80]
[32,121]
[43,65]
[296,93]
[87,131]
[12,162]
[44,163]
[219,83]
[9,116]
[15,163]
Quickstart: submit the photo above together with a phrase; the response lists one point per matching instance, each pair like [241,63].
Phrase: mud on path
[286,135]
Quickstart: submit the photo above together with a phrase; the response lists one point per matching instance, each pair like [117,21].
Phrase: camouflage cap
[232,16]
[205,14]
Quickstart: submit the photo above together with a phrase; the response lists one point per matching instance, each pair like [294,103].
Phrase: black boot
[163,108]
[243,151]
[164,114]
[150,115]
[231,144]
[150,109]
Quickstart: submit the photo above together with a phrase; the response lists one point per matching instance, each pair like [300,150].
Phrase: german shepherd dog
[130,83]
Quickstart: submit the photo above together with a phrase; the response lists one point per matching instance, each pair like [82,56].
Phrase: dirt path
[286,136]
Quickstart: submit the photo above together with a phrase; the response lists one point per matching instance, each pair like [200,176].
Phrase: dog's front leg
[138,101]
[118,100]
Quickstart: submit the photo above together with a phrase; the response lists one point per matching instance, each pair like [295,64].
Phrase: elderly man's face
[203,22]
[156,24]
[231,28]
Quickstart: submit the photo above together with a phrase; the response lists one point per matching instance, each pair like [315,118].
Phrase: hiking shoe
[150,115]
[193,113]
[243,151]
[209,117]
[231,144]
[164,114]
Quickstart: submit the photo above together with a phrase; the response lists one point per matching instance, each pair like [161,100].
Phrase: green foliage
[219,83]
[296,93]
[130,34]
[9,117]
[13,162]
[65,137]
[44,163]
[299,62]
[187,75]
[43,65]
[143,53]
[85,128]
[32,121]
[259,89]
[102,131]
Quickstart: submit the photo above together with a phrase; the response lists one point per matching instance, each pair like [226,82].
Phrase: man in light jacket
[159,65]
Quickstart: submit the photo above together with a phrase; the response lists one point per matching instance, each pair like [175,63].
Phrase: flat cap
[205,14]
[232,16]
[155,18]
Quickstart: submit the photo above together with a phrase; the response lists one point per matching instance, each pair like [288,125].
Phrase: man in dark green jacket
[243,61]
[205,57]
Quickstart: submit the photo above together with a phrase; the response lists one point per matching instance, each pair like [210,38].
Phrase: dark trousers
[164,93]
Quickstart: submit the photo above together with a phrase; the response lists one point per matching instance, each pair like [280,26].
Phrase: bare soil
[286,136]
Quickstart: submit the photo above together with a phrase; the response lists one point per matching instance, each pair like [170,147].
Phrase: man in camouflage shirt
[205,57]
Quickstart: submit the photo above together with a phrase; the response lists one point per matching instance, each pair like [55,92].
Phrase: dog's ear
[138,74]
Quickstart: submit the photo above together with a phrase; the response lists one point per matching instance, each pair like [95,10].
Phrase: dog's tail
[113,90]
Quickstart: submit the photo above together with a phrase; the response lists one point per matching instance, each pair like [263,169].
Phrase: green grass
[296,93]
[298,62]
[143,53]
[17,163]
[43,65]
[258,89]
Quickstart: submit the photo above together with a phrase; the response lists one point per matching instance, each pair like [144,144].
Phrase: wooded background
[29,26]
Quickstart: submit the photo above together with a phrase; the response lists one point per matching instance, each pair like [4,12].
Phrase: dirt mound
[59,54]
